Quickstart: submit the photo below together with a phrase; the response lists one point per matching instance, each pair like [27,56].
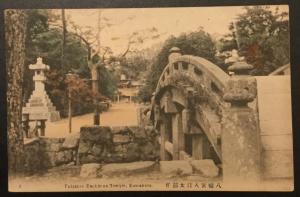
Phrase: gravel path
[120,114]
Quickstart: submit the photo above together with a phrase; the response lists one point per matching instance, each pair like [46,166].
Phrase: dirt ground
[120,114]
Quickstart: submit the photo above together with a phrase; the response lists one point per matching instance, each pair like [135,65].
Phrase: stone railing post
[174,53]
[241,152]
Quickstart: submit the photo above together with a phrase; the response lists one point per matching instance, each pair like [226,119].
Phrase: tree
[15,31]
[64,34]
[45,40]
[262,37]
[197,43]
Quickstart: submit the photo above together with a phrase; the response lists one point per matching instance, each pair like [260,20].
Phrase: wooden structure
[201,112]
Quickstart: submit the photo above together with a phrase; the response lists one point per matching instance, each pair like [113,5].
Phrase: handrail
[218,76]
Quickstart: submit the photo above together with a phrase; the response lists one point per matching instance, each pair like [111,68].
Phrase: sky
[168,21]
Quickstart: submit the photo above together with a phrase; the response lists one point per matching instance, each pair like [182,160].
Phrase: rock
[97,134]
[121,139]
[68,156]
[176,168]
[90,170]
[88,159]
[60,158]
[84,147]
[140,134]
[127,168]
[55,147]
[97,149]
[48,159]
[114,158]
[205,167]
[63,157]
[148,151]
[95,142]
[133,152]
[196,177]
[71,141]
[119,149]
[116,130]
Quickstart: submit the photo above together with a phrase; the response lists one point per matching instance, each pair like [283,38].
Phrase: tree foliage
[45,40]
[262,37]
[197,43]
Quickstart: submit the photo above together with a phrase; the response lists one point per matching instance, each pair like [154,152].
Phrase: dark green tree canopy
[262,37]
[197,43]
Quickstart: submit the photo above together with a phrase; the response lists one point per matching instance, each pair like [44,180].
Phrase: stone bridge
[241,122]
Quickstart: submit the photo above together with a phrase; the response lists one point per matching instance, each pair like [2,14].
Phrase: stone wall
[94,144]
[44,153]
[55,152]
[117,144]
[32,163]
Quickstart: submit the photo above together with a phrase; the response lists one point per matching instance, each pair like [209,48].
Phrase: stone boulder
[71,141]
[117,169]
[149,151]
[205,167]
[121,139]
[175,168]
[94,144]
[95,134]
[64,157]
[90,170]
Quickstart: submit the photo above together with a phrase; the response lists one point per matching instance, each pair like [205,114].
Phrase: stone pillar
[241,149]
[40,124]
[178,135]
[174,53]
[197,147]
[185,121]
[162,131]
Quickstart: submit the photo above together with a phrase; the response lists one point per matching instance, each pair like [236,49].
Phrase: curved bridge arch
[198,85]
[196,105]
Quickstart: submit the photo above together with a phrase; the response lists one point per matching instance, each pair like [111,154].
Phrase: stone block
[60,158]
[149,151]
[95,142]
[140,134]
[48,159]
[71,141]
[175,168]
[32,159]
[133,152]
[205,167]
[127,168]
[121,139]
[55,147]
[95,134]
[119,149]
[97,149]
[90,170]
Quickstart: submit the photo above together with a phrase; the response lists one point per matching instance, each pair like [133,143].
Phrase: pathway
[120,114]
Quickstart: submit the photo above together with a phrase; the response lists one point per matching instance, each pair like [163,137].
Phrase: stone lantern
[39,105]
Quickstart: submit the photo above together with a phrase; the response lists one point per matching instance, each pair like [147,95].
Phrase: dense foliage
[197,43]
[262,37]
[45,41]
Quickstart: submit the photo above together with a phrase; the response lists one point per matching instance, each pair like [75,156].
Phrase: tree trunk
[63,46]
[15,31]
